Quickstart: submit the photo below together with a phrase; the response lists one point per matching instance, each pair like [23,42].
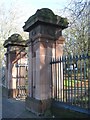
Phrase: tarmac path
[12,108]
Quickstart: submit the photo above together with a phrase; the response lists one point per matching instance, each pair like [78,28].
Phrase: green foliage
[71,82]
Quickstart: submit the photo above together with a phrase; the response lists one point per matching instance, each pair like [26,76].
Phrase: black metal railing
[70,81]
[21,94]
[21,79]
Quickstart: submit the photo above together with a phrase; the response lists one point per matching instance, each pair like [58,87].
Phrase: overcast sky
[29,7]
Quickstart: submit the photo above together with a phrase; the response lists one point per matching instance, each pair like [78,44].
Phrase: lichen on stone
[45,15]
[15,37]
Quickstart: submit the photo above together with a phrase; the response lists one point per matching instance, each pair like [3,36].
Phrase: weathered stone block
[37,106]
[12,93]
[44,29]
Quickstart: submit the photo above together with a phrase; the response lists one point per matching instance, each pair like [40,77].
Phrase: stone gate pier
[45,42]
[15,57]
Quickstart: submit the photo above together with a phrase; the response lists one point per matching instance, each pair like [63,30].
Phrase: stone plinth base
[12,93]
[38,107]
[4,91]
[9,93]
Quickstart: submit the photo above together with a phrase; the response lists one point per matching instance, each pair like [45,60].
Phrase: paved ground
[15,109]
[0,102]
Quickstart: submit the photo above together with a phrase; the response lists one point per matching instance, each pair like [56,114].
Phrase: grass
[71,82]
[79,95]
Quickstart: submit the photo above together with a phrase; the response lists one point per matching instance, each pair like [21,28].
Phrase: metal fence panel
[70,83]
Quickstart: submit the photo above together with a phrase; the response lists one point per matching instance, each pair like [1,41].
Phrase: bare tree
[10,19]
[77,32]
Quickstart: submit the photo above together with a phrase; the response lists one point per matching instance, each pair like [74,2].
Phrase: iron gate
[21,81]
[21,75]
[70,81]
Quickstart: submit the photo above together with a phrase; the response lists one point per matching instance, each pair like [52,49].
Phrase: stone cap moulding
[45,16]
[14,40]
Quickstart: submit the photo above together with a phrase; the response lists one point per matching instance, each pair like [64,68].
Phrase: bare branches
[10,20]
[77,32]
